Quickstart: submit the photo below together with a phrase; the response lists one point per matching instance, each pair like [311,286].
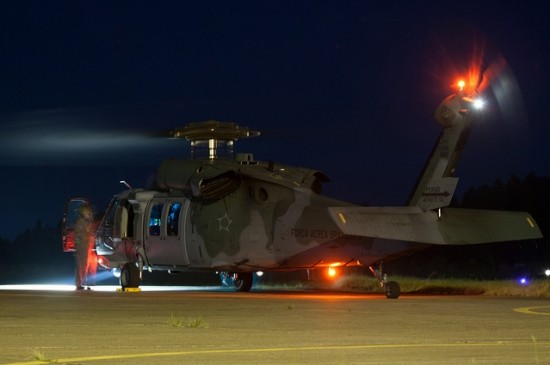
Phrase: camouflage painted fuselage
[232,216]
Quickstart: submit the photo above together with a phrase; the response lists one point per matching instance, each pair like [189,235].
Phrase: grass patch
[178,322]
[174,321]
[38,355]
[298,285]
[366,283]
[196,323]
[506,288]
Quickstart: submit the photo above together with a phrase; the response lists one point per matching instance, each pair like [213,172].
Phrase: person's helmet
[85,211]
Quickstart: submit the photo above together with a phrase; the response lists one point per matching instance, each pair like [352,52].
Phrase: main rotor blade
[80,137]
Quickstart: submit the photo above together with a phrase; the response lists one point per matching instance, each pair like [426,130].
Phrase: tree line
[35,255]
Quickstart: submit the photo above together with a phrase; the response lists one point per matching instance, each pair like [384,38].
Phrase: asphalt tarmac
[222,327]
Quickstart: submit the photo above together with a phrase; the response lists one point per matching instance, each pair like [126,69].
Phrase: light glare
[101,288]
[478,103]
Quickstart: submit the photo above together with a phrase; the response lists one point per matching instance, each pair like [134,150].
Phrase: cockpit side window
[111,211]
[155,220]
[173,219]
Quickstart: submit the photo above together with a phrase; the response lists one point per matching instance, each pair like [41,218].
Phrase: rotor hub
[212,138]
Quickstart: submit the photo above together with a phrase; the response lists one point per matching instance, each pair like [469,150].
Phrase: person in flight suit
[84,256]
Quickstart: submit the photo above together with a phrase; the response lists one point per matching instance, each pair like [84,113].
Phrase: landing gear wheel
[242,281]
[392,290]
[129,276]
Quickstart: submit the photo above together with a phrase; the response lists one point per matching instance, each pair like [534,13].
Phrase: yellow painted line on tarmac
[534,310]
[278,349]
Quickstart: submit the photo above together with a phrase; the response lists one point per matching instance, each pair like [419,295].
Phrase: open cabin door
[70,217]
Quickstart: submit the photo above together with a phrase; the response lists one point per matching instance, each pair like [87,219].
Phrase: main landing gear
[242,281]
[391,288]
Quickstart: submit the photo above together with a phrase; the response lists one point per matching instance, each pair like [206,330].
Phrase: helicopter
[228,213]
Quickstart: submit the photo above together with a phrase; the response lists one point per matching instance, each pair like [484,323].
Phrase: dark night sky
[347,87]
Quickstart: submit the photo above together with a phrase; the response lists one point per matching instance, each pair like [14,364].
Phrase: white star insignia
[225,222]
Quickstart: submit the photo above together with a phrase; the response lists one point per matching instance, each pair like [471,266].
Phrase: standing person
[84,256]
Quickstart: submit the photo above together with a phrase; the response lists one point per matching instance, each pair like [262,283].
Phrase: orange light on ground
[461,84]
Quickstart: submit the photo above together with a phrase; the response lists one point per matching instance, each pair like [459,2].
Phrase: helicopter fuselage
[239,216]
[232,216]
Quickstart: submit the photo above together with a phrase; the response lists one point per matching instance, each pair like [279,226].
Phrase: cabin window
[173,219]
[155,220]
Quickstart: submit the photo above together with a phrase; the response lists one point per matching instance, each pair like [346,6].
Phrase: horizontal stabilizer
[454,226]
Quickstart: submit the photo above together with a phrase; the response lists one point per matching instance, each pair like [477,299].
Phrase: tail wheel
[242,281]
[129,276]
[392,290]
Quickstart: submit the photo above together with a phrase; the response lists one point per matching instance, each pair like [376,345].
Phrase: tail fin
[436,185]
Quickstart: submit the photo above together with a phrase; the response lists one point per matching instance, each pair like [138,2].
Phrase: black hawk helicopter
[239,216]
